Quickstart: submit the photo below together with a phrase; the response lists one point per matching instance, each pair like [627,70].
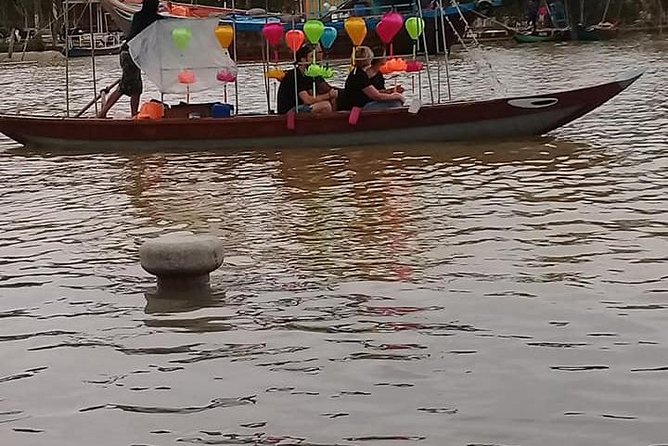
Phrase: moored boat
[456,121]
[600,31]
[543,35]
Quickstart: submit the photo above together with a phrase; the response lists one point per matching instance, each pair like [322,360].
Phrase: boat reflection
[365,212]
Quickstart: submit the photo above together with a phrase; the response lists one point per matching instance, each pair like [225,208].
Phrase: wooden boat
[105,44]
[600,31]
[543,35]
[249,23]
[457,121]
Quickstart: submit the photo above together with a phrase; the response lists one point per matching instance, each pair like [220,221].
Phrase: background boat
[105,44]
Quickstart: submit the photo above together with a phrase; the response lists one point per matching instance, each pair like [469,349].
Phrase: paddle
[95,99]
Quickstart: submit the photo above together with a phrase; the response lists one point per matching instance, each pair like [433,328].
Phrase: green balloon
[181,37]
[414,26]
[313,30]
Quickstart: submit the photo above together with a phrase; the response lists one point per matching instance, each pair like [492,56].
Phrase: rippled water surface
[511,293]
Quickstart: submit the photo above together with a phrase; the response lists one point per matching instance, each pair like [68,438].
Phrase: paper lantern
[394,65]
[225,35]
[415,27]
[356,29]
[275,73]
[315,70]
[294,39]
[313,30]
[225,75]
[413,66]
[181,37]
[329,34]
[389,26]
[273,32]
[186,77]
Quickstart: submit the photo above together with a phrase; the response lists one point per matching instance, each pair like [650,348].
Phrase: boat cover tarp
[182,55]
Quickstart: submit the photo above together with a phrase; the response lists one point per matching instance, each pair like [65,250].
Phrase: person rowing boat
[131,83]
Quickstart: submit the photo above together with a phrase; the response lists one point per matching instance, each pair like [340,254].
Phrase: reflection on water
[433,294]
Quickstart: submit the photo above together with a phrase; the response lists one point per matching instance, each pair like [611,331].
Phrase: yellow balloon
[225,35]
[356,29]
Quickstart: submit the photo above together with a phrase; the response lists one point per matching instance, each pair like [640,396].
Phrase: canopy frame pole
[236,58]
[67,58]
[92,50]
[426,52]
[438,60]
[445,48]
[296,62]
[265,62]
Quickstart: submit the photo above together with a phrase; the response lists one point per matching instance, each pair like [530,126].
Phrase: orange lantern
[225,35]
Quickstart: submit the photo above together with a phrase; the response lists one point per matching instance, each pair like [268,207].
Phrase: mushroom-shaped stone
[182,260]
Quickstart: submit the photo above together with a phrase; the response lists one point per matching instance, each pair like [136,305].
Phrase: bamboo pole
[92,50]
[445,45]
[12,38]
[426,53]
[236,56]
[67,57]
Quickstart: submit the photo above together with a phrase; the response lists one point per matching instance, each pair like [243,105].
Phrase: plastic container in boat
[221,110]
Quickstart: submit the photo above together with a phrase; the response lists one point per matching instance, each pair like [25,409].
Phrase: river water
[510,293]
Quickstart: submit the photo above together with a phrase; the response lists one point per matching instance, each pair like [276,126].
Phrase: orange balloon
[294,39]
[356,29]
[225,35]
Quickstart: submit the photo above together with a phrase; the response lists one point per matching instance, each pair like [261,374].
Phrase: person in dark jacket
[131,83]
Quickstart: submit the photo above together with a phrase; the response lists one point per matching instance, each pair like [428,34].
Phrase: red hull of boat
[493,119]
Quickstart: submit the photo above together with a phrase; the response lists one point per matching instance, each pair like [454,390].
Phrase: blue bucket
[221,110]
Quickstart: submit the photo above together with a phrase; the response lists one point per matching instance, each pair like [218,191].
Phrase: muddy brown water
[509,293]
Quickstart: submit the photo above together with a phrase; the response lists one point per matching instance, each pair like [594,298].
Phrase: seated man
[306,100]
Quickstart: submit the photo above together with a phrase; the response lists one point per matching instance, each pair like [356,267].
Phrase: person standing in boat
[131,83]
[360,90]
[307,102]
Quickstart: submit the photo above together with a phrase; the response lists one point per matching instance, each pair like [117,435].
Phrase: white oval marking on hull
[533,102]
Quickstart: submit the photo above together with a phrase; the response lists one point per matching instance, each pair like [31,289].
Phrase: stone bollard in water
[182,262]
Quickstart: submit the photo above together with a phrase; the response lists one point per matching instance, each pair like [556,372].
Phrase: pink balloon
[273,32]
[389,26]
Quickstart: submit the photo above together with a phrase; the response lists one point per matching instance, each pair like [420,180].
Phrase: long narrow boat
[456,121]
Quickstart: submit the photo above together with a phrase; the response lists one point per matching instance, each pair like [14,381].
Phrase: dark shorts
[303,108]
[131,84]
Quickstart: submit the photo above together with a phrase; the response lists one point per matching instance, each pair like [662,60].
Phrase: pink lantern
[226,76]
[413,66]
[186,77]
[273,32]
[389,26]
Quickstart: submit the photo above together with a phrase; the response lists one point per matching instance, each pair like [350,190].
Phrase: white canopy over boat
[183,56]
